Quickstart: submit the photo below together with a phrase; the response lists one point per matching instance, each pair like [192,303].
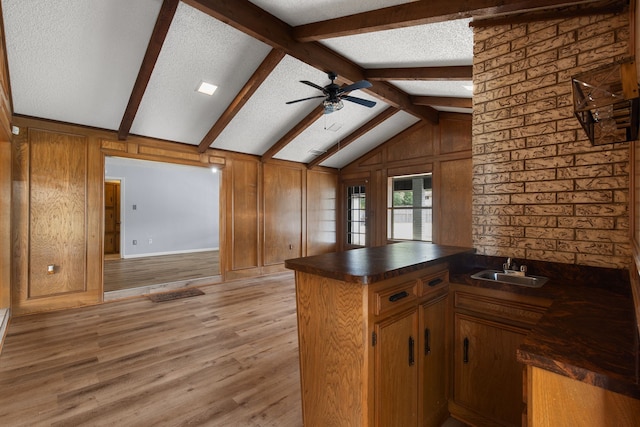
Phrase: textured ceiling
[444,43]
[76,61]
[66,58]
[197,48]
[297,12]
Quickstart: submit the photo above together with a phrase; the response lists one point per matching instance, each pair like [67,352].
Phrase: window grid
[356,215]
[410,213]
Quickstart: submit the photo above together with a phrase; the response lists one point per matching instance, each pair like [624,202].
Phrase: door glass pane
[356,215]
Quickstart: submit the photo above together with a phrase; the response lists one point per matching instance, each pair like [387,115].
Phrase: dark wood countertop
[588,332]
[369,265]
[589,336]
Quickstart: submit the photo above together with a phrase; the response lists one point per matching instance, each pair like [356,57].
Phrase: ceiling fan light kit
[331,106]
[334,94]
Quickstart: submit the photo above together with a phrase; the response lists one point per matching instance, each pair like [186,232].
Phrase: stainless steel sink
[512,279]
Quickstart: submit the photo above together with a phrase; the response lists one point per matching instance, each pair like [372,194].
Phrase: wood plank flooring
[226,358]
[186,268]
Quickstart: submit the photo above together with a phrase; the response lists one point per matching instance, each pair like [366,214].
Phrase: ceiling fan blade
[362,84]
[304,99]
[360,101]
[314,85]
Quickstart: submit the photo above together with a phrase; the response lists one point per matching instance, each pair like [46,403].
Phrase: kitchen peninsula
[355,310]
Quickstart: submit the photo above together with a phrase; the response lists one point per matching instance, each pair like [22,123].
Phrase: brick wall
[540,189]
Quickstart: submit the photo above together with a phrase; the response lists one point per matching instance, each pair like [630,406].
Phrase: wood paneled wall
[444,150]
[283,213]
[56,230]
[5,176]
[58,206]
[5,225]
[322,212]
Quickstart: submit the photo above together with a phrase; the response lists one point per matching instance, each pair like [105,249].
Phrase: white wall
[176,207]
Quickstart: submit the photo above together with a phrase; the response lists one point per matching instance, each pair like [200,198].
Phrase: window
[410,208]
[356,215]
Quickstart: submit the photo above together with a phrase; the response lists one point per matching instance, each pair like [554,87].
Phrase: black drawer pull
[435,281]
[412,359]
[398,296]
[465,351]
[427,341]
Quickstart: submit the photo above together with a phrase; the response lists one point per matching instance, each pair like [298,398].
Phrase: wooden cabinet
[488,380]
[434,355]
[374,355]
[557,400]
[396,370]
[410,352]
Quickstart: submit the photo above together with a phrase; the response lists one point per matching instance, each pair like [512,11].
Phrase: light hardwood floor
[186,269]
[226,358]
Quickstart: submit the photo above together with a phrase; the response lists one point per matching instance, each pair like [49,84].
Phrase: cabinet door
[433,353]
[396,371]
[488,378]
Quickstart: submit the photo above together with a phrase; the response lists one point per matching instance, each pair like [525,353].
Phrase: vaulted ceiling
[134,66]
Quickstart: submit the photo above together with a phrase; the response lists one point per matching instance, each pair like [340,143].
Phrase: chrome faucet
[510,267]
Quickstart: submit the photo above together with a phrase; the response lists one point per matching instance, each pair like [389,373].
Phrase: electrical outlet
[135,242]
[150,241]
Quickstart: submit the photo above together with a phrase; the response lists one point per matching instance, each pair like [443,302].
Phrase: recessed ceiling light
[317,152]
[207,88]
[334,127]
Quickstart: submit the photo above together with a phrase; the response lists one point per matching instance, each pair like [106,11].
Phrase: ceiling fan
[334,94]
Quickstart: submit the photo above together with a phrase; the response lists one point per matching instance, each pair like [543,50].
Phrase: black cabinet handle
[427,341]
[412,359]
[398,296]
[435,281]
[465,351]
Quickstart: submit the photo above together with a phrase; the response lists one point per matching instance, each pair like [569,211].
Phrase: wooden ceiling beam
[464,72]
[160,30]
[599,8]
[294,132]
[252,20]
[262,72]
[378,119]
[418,13]
[443,101]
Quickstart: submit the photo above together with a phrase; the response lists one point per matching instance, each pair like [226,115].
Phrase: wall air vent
[606,102]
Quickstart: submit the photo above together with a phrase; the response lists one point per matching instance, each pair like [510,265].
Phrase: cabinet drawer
[396,296]
[434,282]
[496,308]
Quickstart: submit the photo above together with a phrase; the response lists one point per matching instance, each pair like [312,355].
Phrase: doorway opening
[162,227]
